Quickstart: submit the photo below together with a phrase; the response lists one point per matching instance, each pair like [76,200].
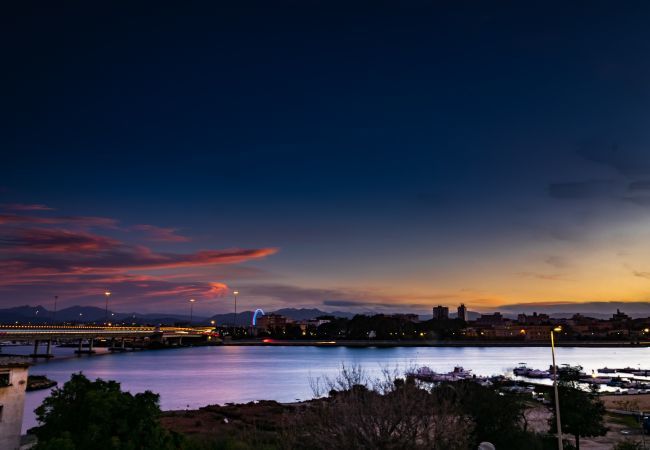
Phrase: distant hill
[87,314]
[598,310]
[243,318]
[246,317]
[306,314]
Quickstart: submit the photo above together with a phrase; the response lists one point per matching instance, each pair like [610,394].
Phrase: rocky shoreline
[38,382]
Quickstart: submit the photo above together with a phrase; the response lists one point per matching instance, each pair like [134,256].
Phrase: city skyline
[418,155]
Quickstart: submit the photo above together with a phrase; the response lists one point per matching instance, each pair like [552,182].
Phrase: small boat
[426,374]
[596,380]
[422,373]
[524,371]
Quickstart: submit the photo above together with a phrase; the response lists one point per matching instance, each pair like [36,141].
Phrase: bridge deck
[30,333]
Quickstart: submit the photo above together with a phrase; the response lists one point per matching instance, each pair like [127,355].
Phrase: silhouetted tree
[97,415]
[582,412]
[376,414]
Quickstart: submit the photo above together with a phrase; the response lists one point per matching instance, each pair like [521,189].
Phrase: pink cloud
[25,207]
[40,256]
[77,221]
[160,234]
[52,240]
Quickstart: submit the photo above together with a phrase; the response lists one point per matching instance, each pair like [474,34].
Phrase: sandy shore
[640,402]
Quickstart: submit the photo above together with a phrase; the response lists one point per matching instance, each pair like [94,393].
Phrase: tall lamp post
[234,317]
[56,297]
[107,294]
[191,309]
[560,446]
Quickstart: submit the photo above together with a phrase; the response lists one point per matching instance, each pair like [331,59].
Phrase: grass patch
[620,419]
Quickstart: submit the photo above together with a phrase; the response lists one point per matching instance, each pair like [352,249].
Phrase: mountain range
[89,314]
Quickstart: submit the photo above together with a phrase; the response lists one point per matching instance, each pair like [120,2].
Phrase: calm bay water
[199,376]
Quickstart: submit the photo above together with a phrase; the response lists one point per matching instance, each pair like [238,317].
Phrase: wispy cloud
[70,221]
[66,255]
[25,207]
[543,276]
[160,234]
[558,262]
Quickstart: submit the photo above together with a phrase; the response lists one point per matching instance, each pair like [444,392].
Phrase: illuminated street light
[56,297]
[107,294]
[191,309]
[560,446]
[234,319]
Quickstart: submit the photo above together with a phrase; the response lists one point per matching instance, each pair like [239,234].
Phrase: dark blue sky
[391,153]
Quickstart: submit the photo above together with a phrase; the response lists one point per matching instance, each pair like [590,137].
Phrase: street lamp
[234,319]
[191,309]
[107,294]
[557,397]
[56,297]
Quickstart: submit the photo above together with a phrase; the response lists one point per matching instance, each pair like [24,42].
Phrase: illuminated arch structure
[257,312]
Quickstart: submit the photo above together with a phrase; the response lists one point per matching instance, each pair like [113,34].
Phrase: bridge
[79,333]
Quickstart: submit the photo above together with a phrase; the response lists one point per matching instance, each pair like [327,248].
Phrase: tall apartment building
[440,312]
[462,312]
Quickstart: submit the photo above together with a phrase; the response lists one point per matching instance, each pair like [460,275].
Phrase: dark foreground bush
[97,415]
[398,414]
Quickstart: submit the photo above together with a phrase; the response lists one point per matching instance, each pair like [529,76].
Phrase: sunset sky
[381,157]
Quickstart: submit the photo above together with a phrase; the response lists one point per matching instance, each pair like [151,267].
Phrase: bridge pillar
[91,341]
[49,347]
[122,344]
[81,342]
[35,347]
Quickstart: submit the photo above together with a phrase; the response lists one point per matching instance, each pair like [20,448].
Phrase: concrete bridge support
[81,351]
[47,354]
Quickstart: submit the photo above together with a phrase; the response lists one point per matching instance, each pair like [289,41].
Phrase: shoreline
[387,344]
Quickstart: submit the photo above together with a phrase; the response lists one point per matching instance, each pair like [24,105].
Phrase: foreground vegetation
[353,412]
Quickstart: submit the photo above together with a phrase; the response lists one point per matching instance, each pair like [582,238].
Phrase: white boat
[426,374]
[524,371]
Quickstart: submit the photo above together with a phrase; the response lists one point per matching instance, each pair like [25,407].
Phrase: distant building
[536,332]
[440,312]
[490,319]
[535,319]
[462,312]
[271,321]
[620,317]
[311,323]
[13,381]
